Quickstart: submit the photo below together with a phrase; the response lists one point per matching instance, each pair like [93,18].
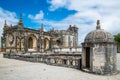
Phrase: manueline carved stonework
[11,38]
[18,36]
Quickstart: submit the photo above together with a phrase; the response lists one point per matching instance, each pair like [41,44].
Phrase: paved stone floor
[11,69]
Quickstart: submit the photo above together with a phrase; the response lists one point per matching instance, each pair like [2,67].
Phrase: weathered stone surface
[67,60]
[99,52]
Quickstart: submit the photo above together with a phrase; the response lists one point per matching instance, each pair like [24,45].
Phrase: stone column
[16,43]
[42,44]
[83,57]
[26,43]
[51,44]
[38,44]
[91,58]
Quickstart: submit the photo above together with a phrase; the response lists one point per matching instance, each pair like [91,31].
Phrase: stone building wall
[20,39]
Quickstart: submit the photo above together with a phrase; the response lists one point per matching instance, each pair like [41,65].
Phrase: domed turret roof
[99,35]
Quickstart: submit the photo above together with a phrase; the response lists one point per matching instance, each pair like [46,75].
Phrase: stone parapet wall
[65,60]
[68,50]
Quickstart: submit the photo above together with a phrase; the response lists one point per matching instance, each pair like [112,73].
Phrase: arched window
[46,43]
[58,42]
[30,43]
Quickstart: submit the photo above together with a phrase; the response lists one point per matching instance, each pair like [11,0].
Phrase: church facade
[18,38]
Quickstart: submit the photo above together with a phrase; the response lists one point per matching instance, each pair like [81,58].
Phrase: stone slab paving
[11,69]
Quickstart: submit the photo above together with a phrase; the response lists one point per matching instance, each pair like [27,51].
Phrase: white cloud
[89,11]
[56,4]
[9,16]
[81,5]
[38,16]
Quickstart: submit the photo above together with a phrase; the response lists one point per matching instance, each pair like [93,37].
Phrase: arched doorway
[87,57]
[32,43]
[46,43]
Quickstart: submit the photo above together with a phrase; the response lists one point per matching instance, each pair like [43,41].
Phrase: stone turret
[74,29]
[99,52]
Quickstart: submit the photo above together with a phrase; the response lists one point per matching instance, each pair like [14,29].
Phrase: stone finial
[5,25]
[20,20]
[98,24]
[42,27]
[5,22]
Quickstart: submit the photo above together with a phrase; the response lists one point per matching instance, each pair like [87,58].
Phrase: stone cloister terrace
[57,57]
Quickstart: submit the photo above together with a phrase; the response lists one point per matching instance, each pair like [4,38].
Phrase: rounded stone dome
[99,35]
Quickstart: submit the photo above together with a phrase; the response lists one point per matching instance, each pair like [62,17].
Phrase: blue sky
[62,13]
[33,7]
